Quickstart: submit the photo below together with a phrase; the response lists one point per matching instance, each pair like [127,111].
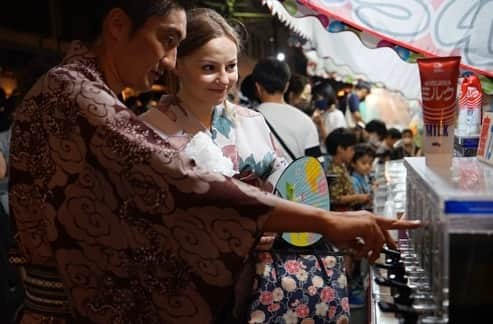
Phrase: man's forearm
[292,217]
[357,117]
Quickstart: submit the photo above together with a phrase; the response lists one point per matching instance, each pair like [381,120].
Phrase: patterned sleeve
[342,186]
[336,188]
[137,232]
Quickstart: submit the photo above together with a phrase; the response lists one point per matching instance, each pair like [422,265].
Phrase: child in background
[375,132]
[384,152]
[407,147]
[361,166]
[340,145]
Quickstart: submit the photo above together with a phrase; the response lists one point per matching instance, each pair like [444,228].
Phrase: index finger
[389,224]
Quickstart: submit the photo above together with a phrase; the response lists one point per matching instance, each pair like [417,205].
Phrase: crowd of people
[115,224]
[350,154]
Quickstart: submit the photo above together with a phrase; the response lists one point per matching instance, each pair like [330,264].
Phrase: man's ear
[259,90]
[290,97]
[117,24]
[286,88]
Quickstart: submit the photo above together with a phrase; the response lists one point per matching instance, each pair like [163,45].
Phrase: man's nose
[168,61]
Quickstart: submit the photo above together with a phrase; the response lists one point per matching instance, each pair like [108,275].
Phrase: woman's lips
[219,90]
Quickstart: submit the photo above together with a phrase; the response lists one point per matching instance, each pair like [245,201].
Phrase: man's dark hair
[363,85]
[271,74]
[339,137]
[377,126]
[247,88]
[324,90]
[407,131]
[93,13]
[394,133]
[297,84]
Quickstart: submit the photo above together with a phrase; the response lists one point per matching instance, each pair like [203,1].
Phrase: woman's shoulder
[243,112]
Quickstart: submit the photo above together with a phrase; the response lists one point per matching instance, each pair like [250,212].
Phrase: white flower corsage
[208,155]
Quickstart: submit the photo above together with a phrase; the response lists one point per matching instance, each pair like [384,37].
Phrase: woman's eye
[208,68]
[231,67]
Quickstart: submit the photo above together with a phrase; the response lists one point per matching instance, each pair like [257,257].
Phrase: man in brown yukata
[114,224]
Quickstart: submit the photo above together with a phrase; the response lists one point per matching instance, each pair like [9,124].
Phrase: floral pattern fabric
[241,133]
[244,137]
[295,289]
[137,233]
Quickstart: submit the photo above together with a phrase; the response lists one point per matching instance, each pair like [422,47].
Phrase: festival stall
[441,272]
[379,41]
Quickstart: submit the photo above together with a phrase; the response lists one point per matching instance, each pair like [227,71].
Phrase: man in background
[294,131]
[353,100]
[299,93]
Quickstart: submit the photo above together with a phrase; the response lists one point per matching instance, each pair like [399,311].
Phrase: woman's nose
[223,77]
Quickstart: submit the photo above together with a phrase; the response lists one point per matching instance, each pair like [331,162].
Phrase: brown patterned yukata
[135,232]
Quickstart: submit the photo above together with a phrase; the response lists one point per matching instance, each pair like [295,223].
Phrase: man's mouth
[156,75]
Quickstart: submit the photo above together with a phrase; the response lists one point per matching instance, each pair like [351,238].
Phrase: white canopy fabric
[431,27]
[345,52]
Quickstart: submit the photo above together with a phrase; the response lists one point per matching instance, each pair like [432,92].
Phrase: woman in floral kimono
[115,224]
[206,70]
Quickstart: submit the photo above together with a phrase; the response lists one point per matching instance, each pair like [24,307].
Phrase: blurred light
[8,82]
[281,56]
[127,93]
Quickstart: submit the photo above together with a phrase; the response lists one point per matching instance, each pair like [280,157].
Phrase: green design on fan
[304,181]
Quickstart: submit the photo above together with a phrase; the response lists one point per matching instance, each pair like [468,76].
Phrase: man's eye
[170,41]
